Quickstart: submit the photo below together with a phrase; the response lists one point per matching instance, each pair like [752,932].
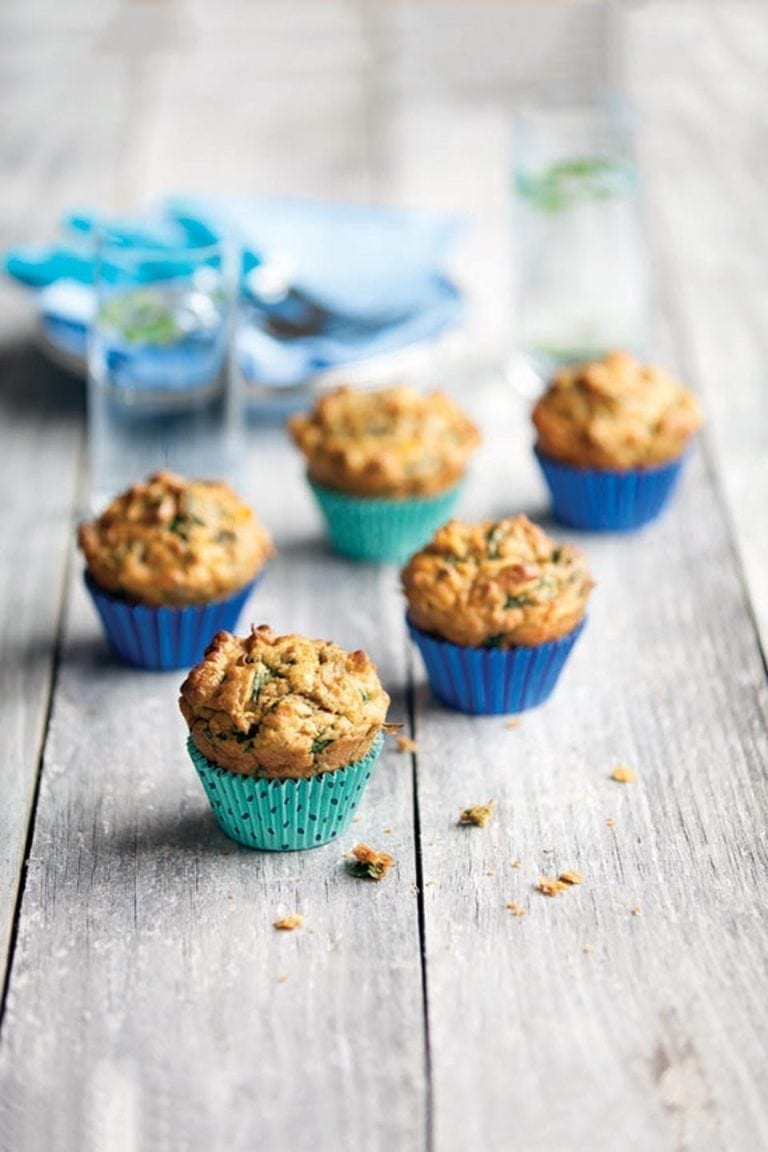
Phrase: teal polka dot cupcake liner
[383,530]
[284,815]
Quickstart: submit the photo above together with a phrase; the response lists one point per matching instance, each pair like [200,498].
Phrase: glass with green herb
[581,261]
[162,389]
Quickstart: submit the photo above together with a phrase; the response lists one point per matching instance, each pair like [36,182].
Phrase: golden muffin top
[496,584]
[176,542]
[615,413]
[391,443]
[282,706]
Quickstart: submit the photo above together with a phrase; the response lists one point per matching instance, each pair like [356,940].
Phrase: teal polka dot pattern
[382,531]
[284,815]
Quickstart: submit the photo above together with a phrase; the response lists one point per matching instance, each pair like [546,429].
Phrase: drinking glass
[163,391]
[582,266]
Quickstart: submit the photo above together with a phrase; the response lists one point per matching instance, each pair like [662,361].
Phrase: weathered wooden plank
[38,462]
[653,1038]
[697,75]
[47,161]
[128,934]
[581,1025]
[151,996]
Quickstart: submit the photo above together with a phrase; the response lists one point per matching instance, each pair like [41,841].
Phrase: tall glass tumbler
[163,391]
[582,275]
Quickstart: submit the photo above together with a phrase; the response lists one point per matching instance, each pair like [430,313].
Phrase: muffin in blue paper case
[495,609]
[386,467]
[284,733]
[612,440]
[600,500]
[163,638]
[169,563]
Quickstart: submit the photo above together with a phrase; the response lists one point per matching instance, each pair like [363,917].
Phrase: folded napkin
[378,268]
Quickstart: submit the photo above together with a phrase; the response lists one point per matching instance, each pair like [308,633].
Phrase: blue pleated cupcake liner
[604,501]
[163,638]
[285,815]
[493,681]
[383,530]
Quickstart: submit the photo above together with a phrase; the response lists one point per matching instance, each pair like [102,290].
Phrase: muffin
[386,467]
[284,734]
[611,439]
[495,609]
[170,562]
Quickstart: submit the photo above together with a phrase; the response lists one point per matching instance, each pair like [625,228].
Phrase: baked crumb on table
[405,744]
[551,886]
[622,774]
[477,814]
[288,923]
[369,864]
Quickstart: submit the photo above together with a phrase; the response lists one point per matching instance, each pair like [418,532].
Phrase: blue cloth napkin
[379,266]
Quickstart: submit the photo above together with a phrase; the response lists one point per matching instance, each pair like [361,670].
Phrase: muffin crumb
[288,923]
[570,877]
[623,775]
[477,814]
[610,822]
[515,908]
[369,864]
[550,886]
[637,910]
[515,864]
[512,723]
[405,744]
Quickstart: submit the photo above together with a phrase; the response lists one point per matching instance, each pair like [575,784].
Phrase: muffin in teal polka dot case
[284,735]
[386,467]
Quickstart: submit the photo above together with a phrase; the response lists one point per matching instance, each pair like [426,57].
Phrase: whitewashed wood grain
[580,1025]
[46,167]
[146,1007]
[698,76]
[38,453]
[650,1038]
[152,1001]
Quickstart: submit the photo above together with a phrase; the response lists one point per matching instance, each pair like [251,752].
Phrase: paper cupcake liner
[605,501]
[164,638]
[493,681]
[284,815]
[382,530]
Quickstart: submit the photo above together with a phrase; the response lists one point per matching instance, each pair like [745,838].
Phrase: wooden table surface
[148,1002]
